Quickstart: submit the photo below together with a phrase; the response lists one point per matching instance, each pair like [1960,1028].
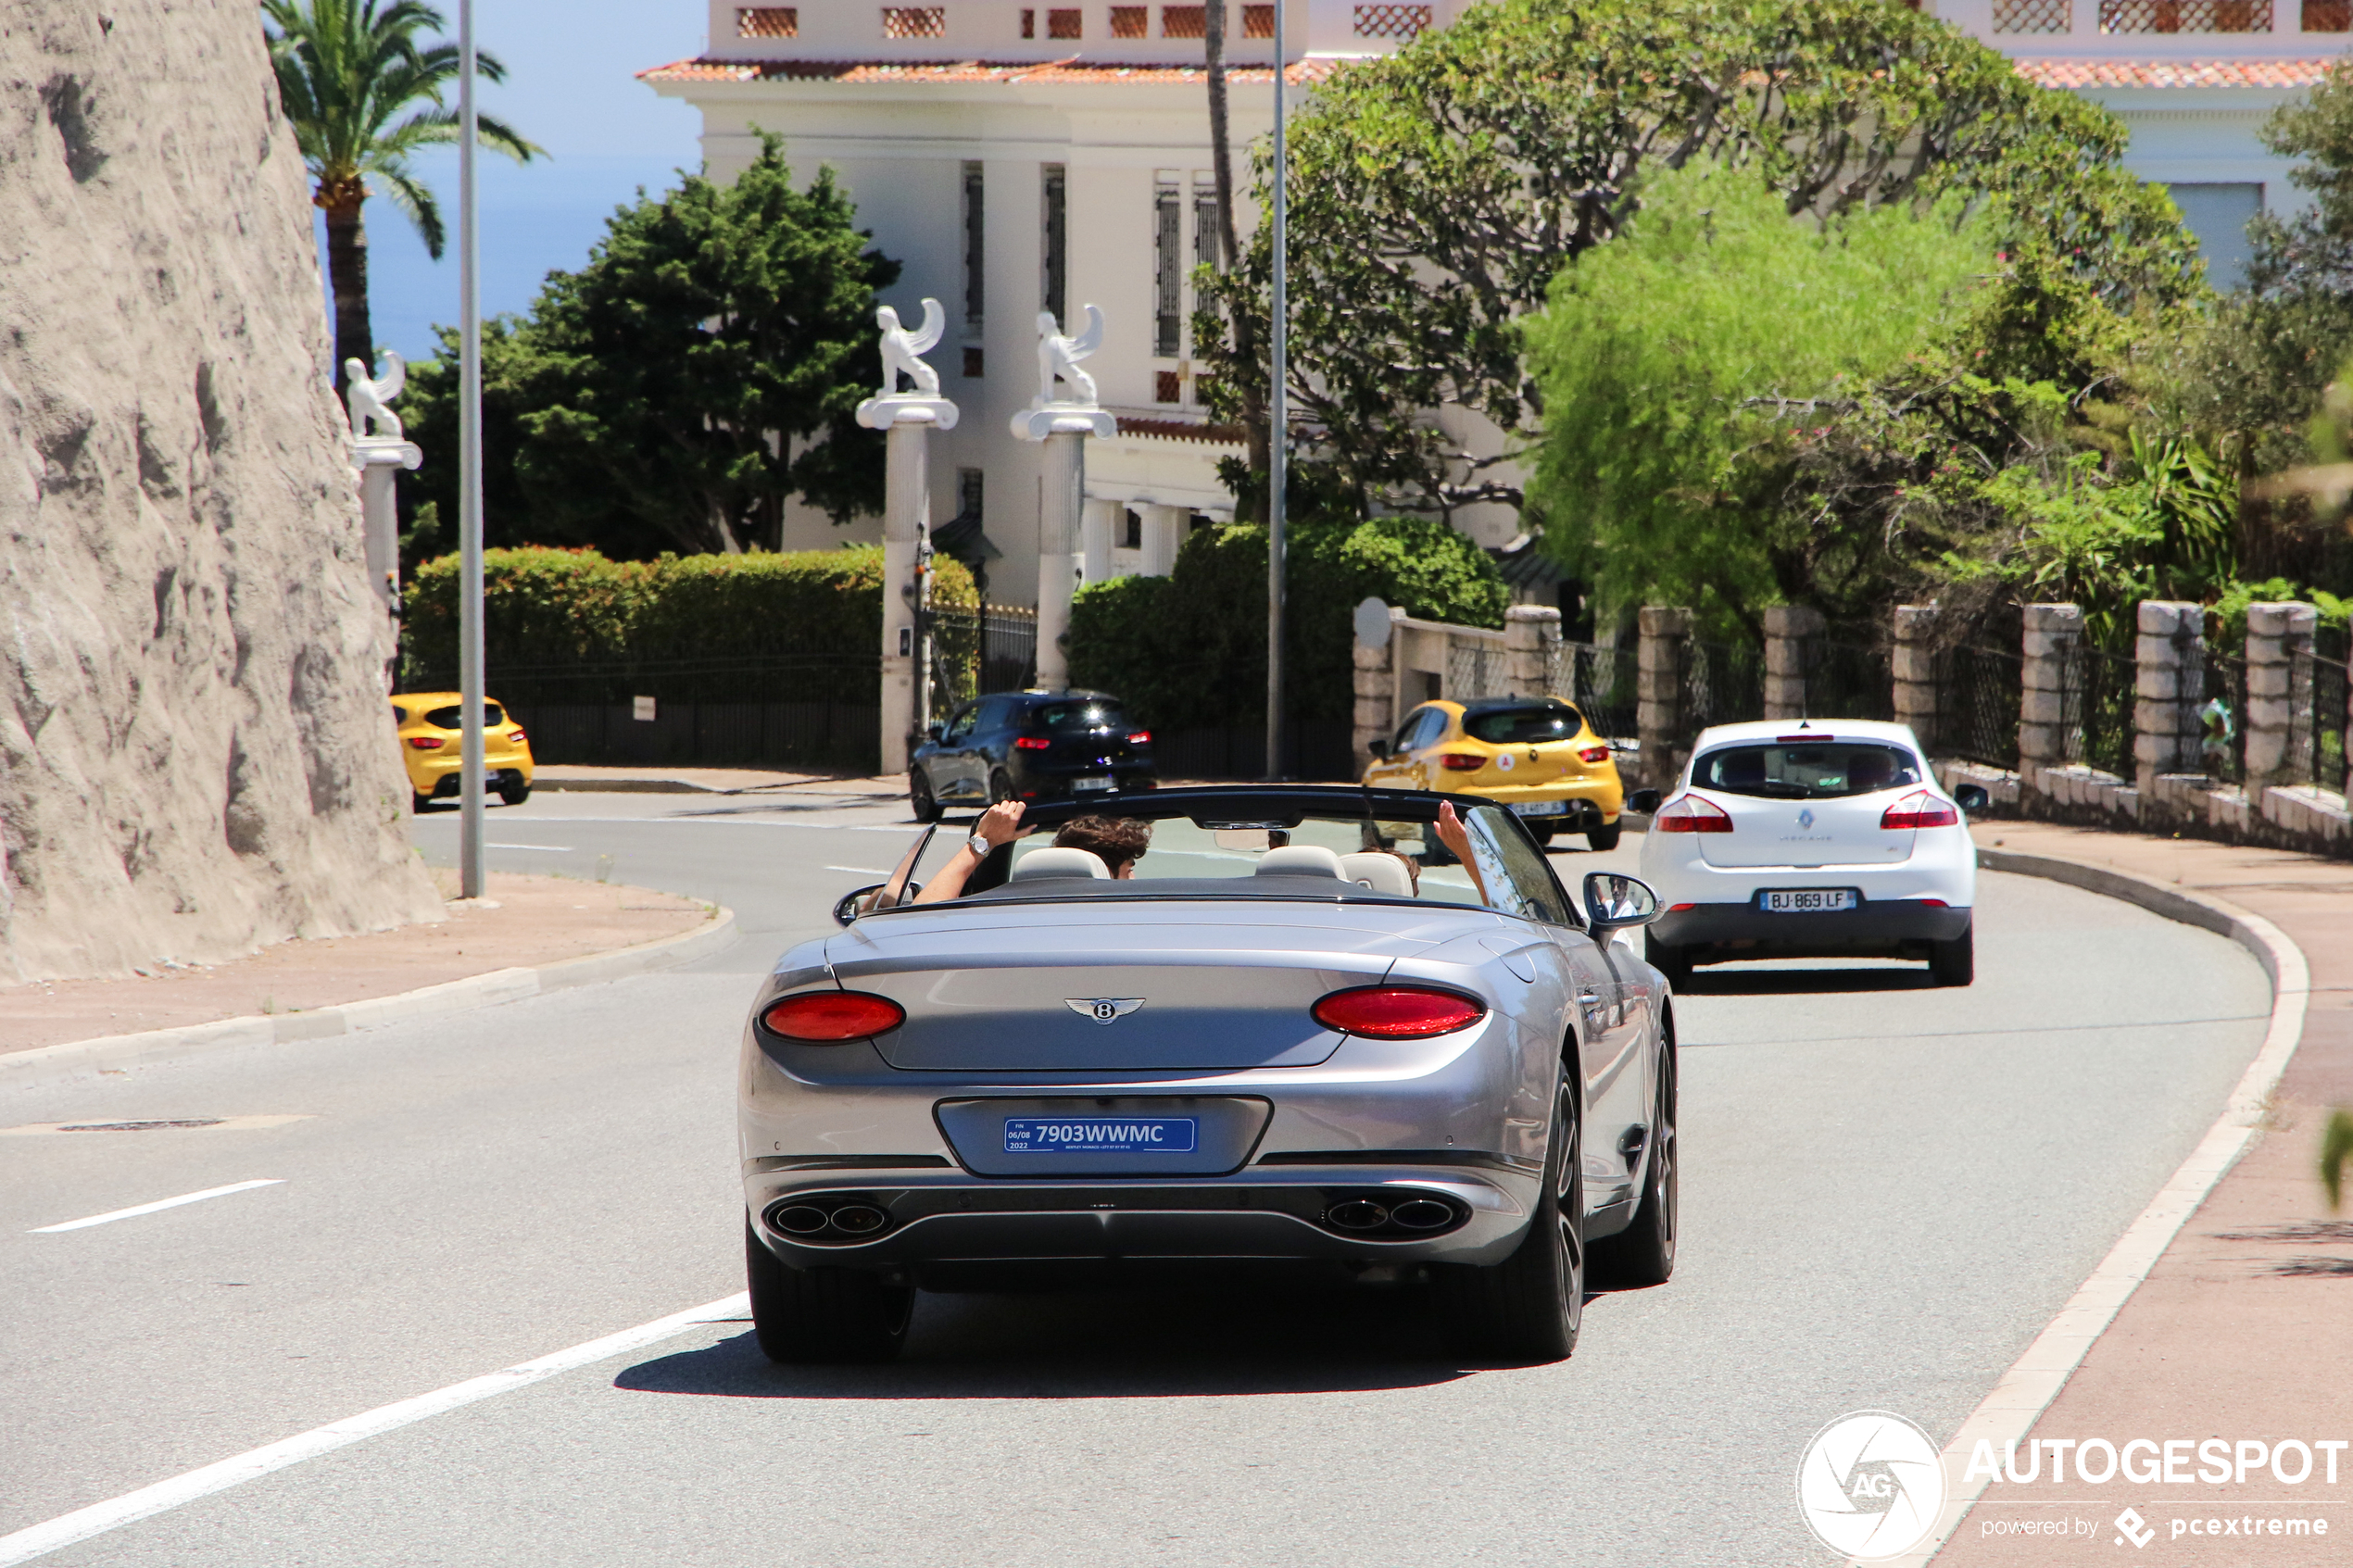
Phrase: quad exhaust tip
[859,1219]
[1359,1214]
[808,1222]
[1422,1214]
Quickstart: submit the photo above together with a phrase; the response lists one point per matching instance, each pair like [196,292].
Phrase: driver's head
[1118,842]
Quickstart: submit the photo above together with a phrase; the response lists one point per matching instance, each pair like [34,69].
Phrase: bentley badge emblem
[1102,1010]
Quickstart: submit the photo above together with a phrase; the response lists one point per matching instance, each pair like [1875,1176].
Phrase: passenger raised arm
[1000,825]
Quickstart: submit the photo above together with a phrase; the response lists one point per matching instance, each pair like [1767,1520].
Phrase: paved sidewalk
[525,922]
[2244,1328]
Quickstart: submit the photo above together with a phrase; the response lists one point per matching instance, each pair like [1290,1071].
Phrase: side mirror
[1379,746]
[1971,798]
[1615,902]
[851,904]
[1645,801]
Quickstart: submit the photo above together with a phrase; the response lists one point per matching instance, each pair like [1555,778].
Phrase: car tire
[919,796]
[514,794]
[419,802]
[1667,959]
[1528,1307]
[1643,1253]
[1954,963]
[1540,834]
[1000,785]
[823,1314]
[1603,840]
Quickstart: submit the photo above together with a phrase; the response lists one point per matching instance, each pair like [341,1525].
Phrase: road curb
[2026,1390]
[45,1065]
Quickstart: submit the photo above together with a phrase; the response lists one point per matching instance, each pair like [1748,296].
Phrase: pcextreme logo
[1871,1486]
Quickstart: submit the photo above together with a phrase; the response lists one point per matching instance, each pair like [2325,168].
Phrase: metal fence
[797,711]
[2220,718]
[1722,683]
[2095,725]
[1977,705]
[1599,681]
[2317,720]
[993,648]
[1475,666]
[1848,681]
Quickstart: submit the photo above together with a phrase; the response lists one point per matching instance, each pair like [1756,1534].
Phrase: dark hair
[1116,840]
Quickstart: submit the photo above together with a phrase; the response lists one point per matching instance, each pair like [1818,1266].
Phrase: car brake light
[1593,754]
[829,1017]
[1032,743]
[1691,814]
[1141,737]
[1920,810]
[426,743]
[516,734]
[1678,908]
[1460,762]
[1398,1012]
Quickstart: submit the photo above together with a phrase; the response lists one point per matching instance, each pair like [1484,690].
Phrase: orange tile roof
[2077,74]
[1180,430]
[1073,71]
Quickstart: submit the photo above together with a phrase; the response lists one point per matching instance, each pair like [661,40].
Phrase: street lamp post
[1278,420]
[470,673]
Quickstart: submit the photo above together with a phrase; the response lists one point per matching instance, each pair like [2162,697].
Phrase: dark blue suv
[1029,746]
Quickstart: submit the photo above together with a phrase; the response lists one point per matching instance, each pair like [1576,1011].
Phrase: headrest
[1060,862]
[1299,859]
[1380,871]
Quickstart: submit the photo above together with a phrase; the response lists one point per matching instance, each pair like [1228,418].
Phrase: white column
[909,419]
[1063,422]
[379,450]
[1164,536]
[1097,530]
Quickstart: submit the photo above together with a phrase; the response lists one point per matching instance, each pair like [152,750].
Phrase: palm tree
[352,77]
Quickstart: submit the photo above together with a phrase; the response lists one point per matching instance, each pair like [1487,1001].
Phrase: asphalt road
[1888,1191]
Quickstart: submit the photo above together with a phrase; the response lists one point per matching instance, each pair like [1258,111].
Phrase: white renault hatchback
[1812,838]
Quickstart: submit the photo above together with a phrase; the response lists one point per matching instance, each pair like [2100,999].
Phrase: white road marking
[862,871]
[550,848]
[153,1208]
[147,1501]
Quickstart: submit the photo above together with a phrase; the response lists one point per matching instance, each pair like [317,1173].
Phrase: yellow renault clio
[430,741]
[1537,757]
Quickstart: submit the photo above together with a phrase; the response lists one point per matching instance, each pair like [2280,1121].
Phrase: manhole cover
[138,1127]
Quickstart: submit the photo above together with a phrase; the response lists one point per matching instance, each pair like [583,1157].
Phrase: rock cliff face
[196,756]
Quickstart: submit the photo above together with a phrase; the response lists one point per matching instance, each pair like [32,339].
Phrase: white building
[1023,157]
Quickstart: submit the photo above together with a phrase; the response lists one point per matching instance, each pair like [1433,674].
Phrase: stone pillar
[1531,642]
[907,419]
[2169,678]
[1063,423]
[1913,664]
[1373,653]
[1788,630]
[1163,536]
[379,450]
[2278,636]
[2053,633]
[1098,526]
[1659,690]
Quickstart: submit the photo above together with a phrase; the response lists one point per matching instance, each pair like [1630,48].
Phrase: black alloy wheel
[919,796]
[1643,1253]
[1528,1307]
[823,1314]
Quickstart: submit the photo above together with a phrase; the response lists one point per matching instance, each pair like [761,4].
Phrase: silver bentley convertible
[1302,1029]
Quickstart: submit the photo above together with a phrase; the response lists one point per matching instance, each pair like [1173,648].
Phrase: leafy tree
[705,365]
[352,80]
[1435,192]
[1681,407]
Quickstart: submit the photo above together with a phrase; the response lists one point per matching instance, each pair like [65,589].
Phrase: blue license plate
[1101,1134]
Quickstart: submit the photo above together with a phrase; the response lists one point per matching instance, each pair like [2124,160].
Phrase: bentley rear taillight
[1398,1012]
[824,1018]
[1691,814]
[1920,810]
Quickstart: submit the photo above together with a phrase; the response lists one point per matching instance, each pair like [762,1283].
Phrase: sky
[570,87]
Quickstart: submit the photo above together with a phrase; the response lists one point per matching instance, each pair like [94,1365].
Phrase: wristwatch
[980,846]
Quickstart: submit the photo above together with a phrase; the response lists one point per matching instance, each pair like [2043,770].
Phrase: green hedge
[1190,648]
[549,608]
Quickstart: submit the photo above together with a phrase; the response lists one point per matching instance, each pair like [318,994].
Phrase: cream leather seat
[1300,860]
[1060,862]
[1380,871]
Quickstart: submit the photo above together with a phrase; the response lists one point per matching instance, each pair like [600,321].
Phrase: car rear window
[449,717]
[1810,772]
[1517,726]
[1077,718]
